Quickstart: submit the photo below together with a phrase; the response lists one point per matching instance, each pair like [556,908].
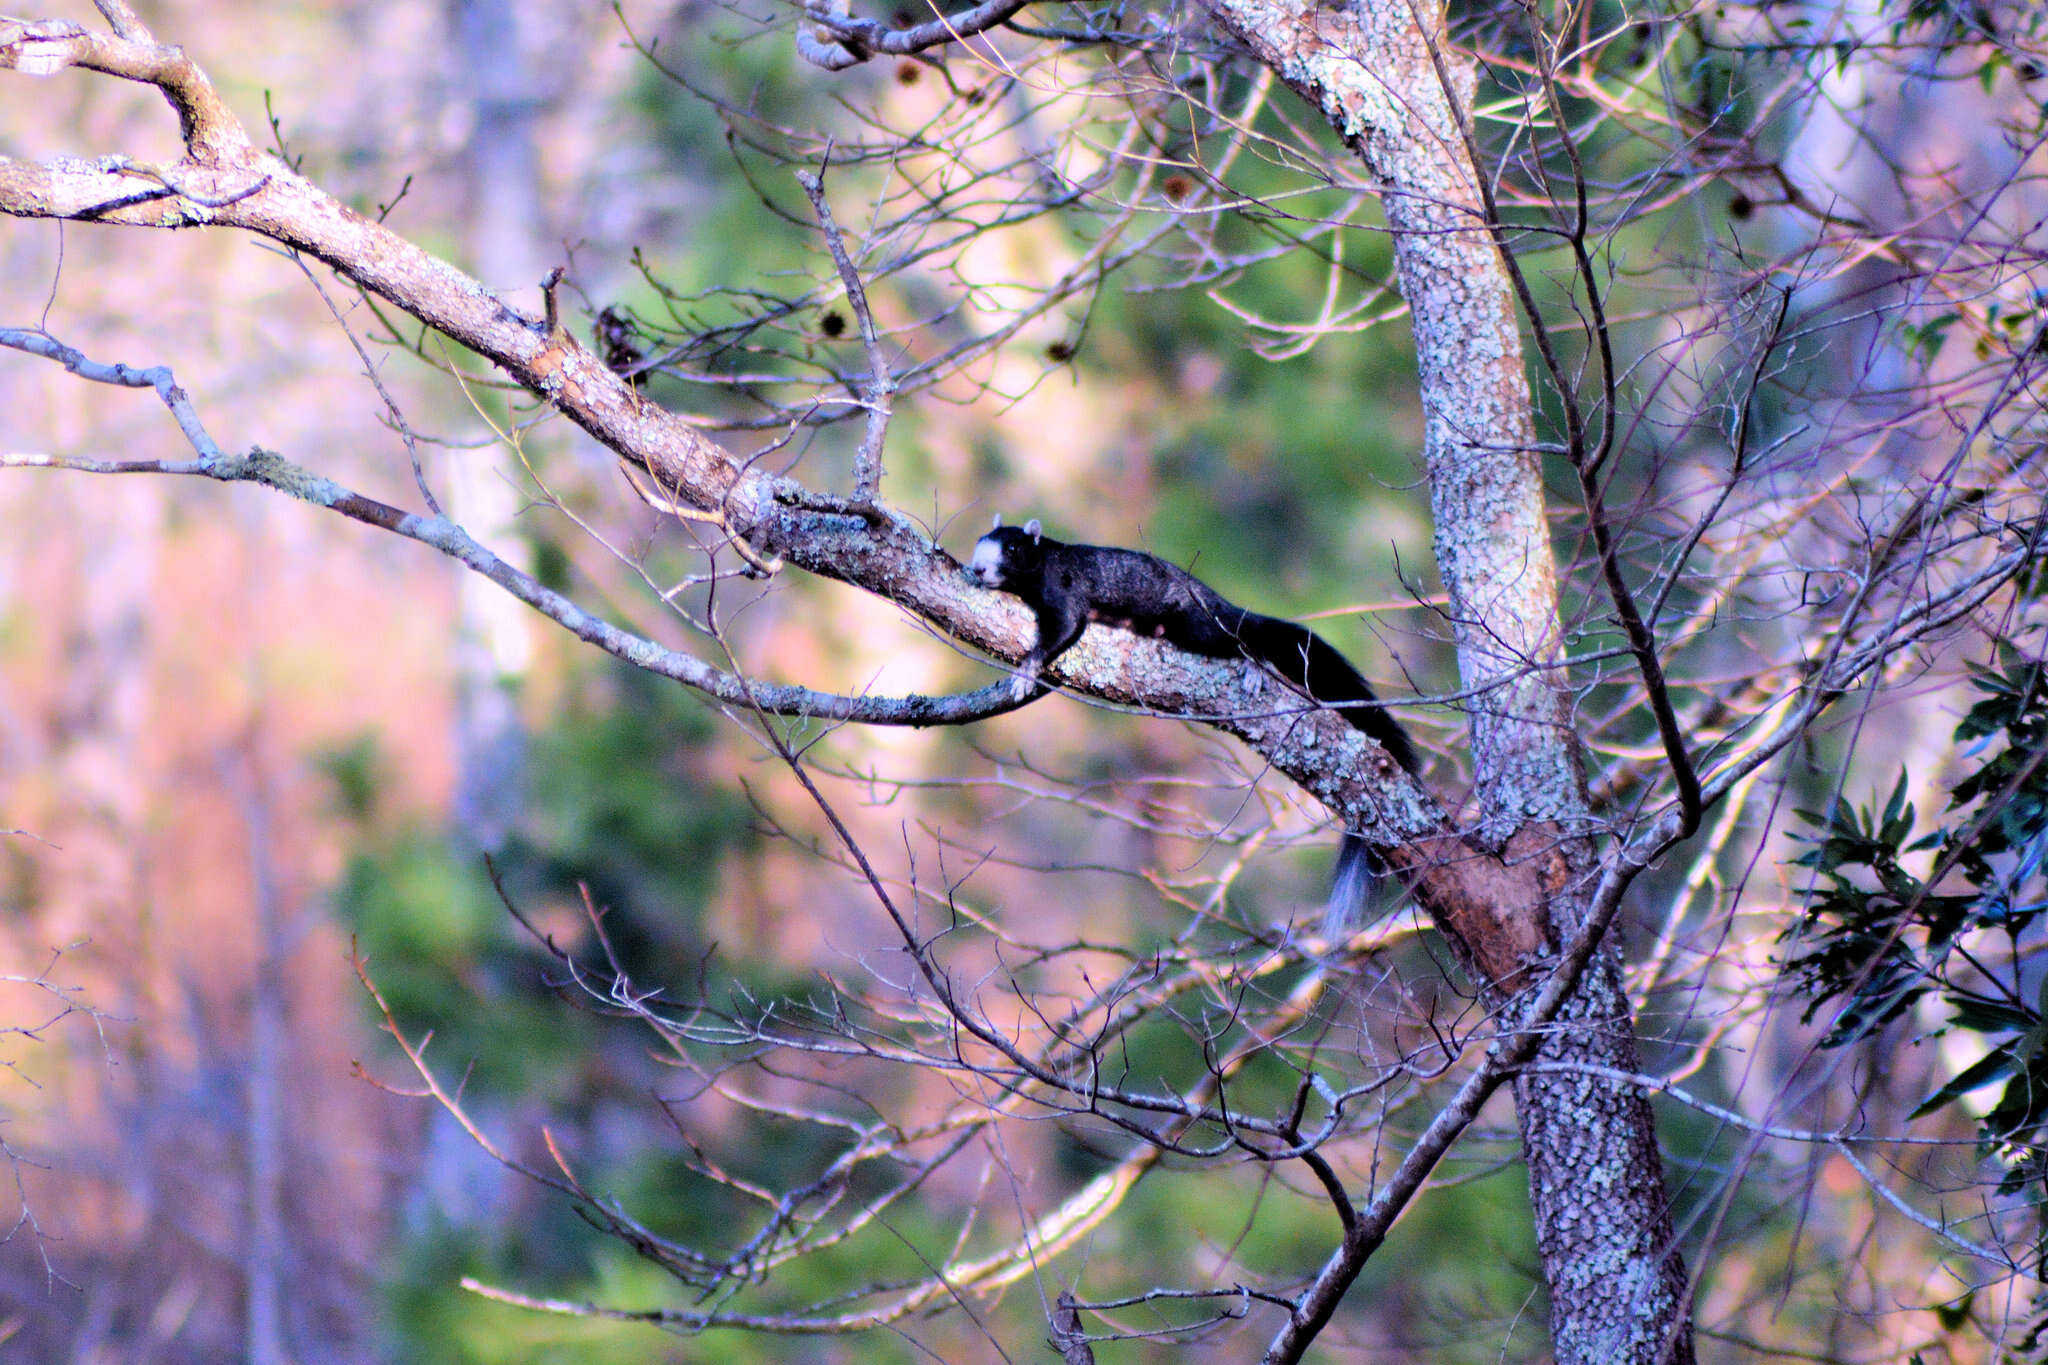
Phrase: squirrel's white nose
[986,567]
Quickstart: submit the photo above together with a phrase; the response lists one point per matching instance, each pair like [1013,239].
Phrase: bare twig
[880,386]
[831,38]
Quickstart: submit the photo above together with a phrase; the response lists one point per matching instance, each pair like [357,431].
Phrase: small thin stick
[757,567]
[158,377]
[877,393]
[405,432]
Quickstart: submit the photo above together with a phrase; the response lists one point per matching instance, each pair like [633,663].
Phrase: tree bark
[1603,1223]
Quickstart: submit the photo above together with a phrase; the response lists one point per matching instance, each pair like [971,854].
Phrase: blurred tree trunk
[506,218]
[266,1248]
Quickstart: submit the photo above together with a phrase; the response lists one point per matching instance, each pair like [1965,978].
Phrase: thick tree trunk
[1602,1218]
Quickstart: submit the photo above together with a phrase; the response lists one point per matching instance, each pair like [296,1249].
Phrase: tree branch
[876,394]
[829,37]
[875,549]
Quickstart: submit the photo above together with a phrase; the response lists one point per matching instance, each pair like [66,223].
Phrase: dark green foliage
[356,770]
[552,565]
[623,800]
[1879,937]
[625,804]
[1855,922]
[619,806]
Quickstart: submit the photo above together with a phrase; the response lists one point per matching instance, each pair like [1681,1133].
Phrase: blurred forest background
[242,742]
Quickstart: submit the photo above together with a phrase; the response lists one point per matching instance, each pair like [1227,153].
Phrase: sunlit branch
[274,471]
[840,40]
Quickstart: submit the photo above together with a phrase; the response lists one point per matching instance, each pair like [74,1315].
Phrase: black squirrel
[1067,586]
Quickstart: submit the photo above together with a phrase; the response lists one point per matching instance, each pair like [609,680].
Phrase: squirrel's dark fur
[1067,586]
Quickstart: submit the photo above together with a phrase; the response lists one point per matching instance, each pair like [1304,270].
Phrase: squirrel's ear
[1032,528]
[999,523]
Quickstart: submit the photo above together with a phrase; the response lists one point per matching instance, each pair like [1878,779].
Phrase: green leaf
[1991,1017]
[1983,1071]
[1897,801]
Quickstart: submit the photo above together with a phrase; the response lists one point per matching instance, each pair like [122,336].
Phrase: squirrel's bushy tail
[1357,889]
[1314,666]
